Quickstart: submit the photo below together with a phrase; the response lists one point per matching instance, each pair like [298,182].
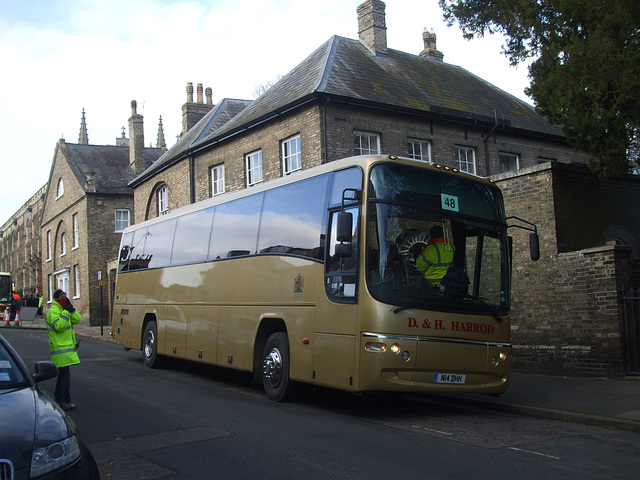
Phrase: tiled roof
[345,69]
[110,164]
[214,119]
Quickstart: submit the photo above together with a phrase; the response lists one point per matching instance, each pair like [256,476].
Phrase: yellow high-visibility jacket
[435,260]
[62,338]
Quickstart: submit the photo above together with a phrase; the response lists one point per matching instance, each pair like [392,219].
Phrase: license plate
[450,378]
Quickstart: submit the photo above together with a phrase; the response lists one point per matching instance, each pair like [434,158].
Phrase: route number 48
[449,202]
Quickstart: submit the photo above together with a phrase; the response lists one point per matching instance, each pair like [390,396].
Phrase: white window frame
[419,149]
[366,143]
[163,200]
[291,155]
[76,232]
[466,159]
[119,223]
[63,244]
[510,159]
[48,245]
[253,163]
[50,286]
[60,188]
[76,281]
[217,180]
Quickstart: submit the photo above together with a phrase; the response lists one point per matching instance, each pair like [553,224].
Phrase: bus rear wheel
[150,355]
[275,368]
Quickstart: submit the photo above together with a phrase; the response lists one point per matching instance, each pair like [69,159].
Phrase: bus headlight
[500,358]
[395,348]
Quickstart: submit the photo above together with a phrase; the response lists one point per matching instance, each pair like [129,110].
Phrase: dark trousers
[62,393]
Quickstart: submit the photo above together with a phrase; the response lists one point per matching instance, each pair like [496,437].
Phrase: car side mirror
[44,371]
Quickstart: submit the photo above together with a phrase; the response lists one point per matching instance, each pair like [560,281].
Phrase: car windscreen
[11,375]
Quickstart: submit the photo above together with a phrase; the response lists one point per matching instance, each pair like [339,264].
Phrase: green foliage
[586,72]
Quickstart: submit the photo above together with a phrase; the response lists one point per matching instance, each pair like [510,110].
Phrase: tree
[586,73]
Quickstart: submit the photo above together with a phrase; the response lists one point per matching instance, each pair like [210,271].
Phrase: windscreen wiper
[487,306]
[400,308]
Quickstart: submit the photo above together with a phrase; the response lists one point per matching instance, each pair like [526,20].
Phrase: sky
[60,57]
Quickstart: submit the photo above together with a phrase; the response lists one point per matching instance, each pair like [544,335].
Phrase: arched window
[163,200]
[60,190]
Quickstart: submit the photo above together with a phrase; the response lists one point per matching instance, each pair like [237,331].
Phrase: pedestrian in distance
[16,306]
[40,303]
[61,318]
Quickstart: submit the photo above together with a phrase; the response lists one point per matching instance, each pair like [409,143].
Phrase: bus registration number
[450,378]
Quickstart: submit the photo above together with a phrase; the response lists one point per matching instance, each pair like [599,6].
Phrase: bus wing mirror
[534,246]
[344,231]
[534,241]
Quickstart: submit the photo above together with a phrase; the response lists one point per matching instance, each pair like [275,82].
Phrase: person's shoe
[67,406]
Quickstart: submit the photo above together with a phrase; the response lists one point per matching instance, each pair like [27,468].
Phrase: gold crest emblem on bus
[298,284]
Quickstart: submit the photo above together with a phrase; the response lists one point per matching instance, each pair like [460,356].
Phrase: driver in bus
[436,257]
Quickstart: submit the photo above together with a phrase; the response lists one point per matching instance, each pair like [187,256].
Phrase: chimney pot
[209,94]
[200,93]
[430,50]
[189,92]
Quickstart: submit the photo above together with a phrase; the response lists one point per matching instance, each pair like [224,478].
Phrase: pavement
[600,402]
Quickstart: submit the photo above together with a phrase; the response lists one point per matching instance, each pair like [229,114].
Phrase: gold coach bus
[312,278]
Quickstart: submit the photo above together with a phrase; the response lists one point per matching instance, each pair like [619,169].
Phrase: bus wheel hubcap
[149,345]
[272,367]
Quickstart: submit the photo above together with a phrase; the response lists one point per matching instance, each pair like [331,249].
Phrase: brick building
[346,98]
[20,249]
[86,207]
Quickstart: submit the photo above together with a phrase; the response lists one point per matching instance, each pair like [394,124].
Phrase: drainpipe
[486,141]
[324,128]
[192,180]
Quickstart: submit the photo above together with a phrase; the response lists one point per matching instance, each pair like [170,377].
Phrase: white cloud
[60,57]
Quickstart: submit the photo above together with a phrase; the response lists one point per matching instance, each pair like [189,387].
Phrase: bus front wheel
[150,355]
[275,368]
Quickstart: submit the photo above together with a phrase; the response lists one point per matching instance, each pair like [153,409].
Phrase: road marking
[534,453]
[432,430]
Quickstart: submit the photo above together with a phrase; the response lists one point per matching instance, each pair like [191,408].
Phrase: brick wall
[566,308]
[101,243]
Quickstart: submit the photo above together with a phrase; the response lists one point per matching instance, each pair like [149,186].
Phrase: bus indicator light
[375,347]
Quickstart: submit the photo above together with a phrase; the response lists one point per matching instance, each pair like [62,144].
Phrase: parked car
[37,438]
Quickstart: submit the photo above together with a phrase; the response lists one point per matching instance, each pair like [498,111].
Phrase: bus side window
[235,228]
[292,217]
[191,241]
[156,252]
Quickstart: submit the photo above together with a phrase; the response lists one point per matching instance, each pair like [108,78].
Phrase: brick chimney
[136,140]
[192,112]
[90,185]
[430,50]
[372,28]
